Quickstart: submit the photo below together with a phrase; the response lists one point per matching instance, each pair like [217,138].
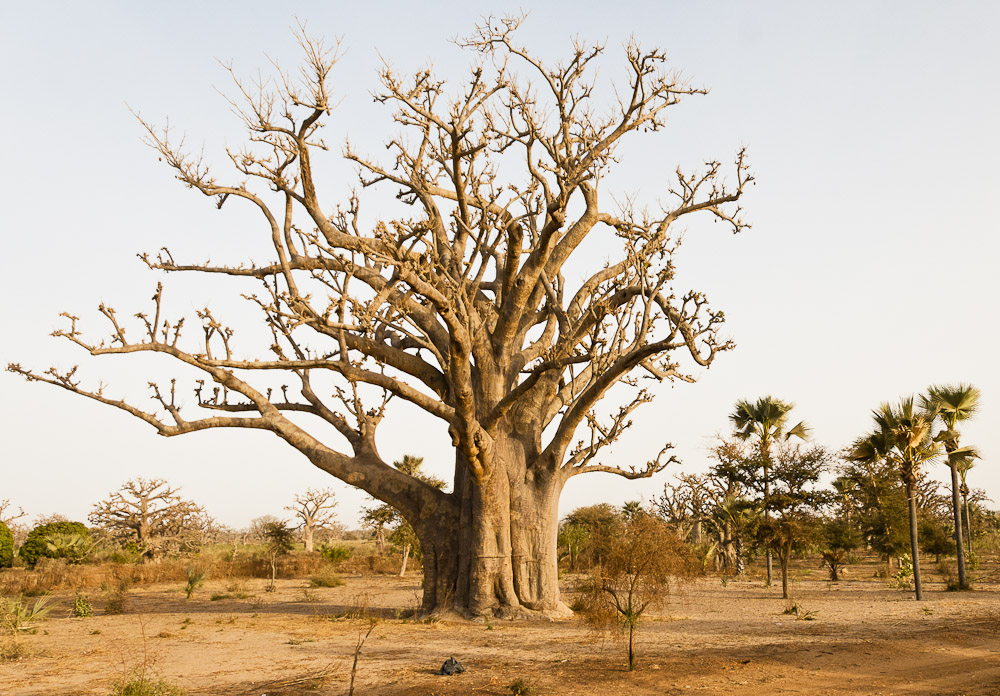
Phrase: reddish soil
[709,639]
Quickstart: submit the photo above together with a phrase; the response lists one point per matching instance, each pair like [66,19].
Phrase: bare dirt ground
[708,639]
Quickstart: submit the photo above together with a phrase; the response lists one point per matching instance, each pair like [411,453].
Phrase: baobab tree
[150,514]
[476,306]
[314,508]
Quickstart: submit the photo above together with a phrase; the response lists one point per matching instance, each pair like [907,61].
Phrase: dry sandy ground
[708,639]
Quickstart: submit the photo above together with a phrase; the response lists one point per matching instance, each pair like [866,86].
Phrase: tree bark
[406,556]
[631,647]
[767,512]
[307,534]
[494,552]
[957,509]
[786,553]
[914,550]
[968,519]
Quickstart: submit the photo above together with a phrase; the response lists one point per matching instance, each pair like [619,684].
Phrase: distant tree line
[764,494]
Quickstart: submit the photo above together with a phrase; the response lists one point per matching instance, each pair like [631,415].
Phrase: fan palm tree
[962,466]
[902,435]
[952,404]
[765,421]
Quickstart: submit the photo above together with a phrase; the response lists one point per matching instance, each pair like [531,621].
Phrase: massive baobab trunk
[492,548]
[470,301]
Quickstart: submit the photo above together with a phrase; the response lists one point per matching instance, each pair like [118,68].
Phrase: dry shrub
[13,651]
[373,564]
[640,558]
[55,574]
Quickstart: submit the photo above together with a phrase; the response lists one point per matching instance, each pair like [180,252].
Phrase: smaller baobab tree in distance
[314,509]
[150,514]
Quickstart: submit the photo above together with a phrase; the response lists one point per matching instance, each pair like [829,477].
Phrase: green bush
[6,546]
[36,545]
[335,554]
[82,607]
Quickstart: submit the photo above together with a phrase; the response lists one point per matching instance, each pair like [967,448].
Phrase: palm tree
[903,436]
[765,420]
[963,465]
[954,403]
[874,476]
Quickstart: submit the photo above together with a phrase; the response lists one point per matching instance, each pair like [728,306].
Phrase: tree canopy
[477,306]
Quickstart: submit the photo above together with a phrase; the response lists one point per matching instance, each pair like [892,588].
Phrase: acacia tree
[639,560]
[475,306]
[314,508]
[880,512]
[150,514]
[793,502]
[735,516]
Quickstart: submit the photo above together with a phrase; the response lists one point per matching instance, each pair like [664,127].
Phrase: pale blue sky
[869,272]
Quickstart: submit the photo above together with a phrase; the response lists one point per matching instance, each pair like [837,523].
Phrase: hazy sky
[870,271]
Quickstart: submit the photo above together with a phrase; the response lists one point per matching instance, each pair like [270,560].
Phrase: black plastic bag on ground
[451,666]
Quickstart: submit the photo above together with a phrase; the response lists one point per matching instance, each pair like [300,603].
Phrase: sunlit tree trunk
[786,553]
[406,556]
[957,511]
[911,496]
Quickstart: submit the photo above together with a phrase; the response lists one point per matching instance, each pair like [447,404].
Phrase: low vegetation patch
[522,687]
[82,608]
[327,579]
[16,616]
[141,683]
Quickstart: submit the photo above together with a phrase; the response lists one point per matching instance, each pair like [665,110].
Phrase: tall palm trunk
[911,496]
[767,510]
[968,520]
[957,509]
